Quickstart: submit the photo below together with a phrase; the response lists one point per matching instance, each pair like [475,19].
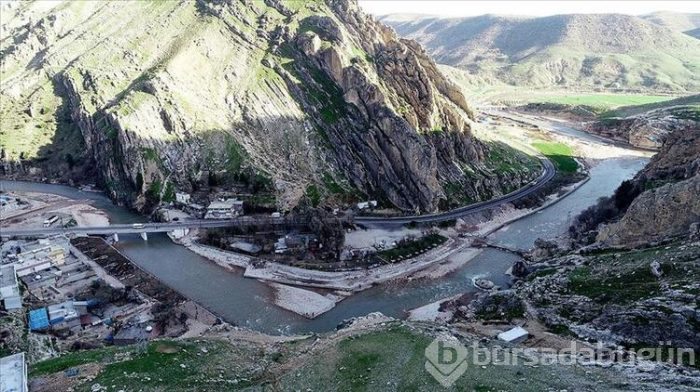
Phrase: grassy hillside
[382,358]
[606,51]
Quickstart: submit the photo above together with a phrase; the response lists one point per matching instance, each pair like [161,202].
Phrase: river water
[247,302]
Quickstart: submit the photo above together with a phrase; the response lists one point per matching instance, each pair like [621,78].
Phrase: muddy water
[247,302]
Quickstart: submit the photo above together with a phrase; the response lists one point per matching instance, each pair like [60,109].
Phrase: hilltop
[602,51]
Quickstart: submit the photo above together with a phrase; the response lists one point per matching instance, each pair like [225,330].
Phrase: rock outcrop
[664,212]
[660,202]
[296,98]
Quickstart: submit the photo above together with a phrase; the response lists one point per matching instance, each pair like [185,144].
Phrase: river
[247,302]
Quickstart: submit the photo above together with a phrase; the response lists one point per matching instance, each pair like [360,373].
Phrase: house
[514,335]
[9,290]
[246,247]
[281,246]
[182,198]
[64,312]
[32,267]
[131,334]
[39,258]
[38,282]
[13,369]
[224,209]
[366,204]
[38,319]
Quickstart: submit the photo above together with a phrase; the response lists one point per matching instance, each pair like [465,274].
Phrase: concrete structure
[182,198]
[224,209]
[32,267]
[246,247]
[13,373]
[9,290]
[515,335]
[39,257]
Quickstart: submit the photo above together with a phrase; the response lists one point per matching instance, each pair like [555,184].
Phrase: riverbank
[293,287]
[34,208]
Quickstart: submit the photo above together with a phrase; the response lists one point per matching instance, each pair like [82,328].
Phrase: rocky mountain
[605,51]
[305,100]
[659,203]
[636,283]
[644,126]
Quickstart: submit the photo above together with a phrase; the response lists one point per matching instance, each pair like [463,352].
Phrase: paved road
[548,173]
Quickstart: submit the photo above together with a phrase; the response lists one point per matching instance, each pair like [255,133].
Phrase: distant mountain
[695,33]
[676,21]
[607,51]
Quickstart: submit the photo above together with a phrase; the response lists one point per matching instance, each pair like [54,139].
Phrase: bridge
[153,227]
[548,172]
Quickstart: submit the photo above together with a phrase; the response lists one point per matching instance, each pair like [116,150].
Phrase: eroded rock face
[645,131]
[293,93]
[657,214]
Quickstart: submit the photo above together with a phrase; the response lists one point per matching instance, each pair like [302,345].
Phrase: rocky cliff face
[649,129]
[303,99]
[632,297]
[667,202]
[663,212]
[660,202]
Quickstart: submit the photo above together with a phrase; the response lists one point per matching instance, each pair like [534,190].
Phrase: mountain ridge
[603,51]
[307,101]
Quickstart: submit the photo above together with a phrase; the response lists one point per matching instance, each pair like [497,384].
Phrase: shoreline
[289,283]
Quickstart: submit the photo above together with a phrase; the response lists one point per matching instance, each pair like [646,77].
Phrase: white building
[366,204]
[9,290]
[515,335]
[13,369]
[182,198]
[224,209]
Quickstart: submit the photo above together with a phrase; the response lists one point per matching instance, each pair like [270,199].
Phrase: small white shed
[515,335]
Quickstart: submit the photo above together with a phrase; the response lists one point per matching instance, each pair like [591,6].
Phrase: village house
[182,198]
[9,290]
[224,209]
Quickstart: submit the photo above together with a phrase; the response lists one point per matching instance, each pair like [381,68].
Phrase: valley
[288,195]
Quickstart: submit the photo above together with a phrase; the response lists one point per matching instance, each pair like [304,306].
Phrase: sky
[457,8]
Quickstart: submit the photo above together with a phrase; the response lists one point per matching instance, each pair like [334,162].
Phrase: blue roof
[38,319]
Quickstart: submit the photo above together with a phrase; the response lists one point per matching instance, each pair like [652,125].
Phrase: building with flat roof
[514,335]
[38,319]
[246,247]
[224,209]
[182,198]
[9,290]
[13,371]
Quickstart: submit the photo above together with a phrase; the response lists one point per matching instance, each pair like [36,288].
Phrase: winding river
[247,302]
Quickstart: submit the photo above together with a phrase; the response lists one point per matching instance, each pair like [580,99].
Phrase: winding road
[548,172]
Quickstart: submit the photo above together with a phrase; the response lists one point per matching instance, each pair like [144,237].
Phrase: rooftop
[14,373]
[38,319]
[513,335]
[224,204]
[8,276]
